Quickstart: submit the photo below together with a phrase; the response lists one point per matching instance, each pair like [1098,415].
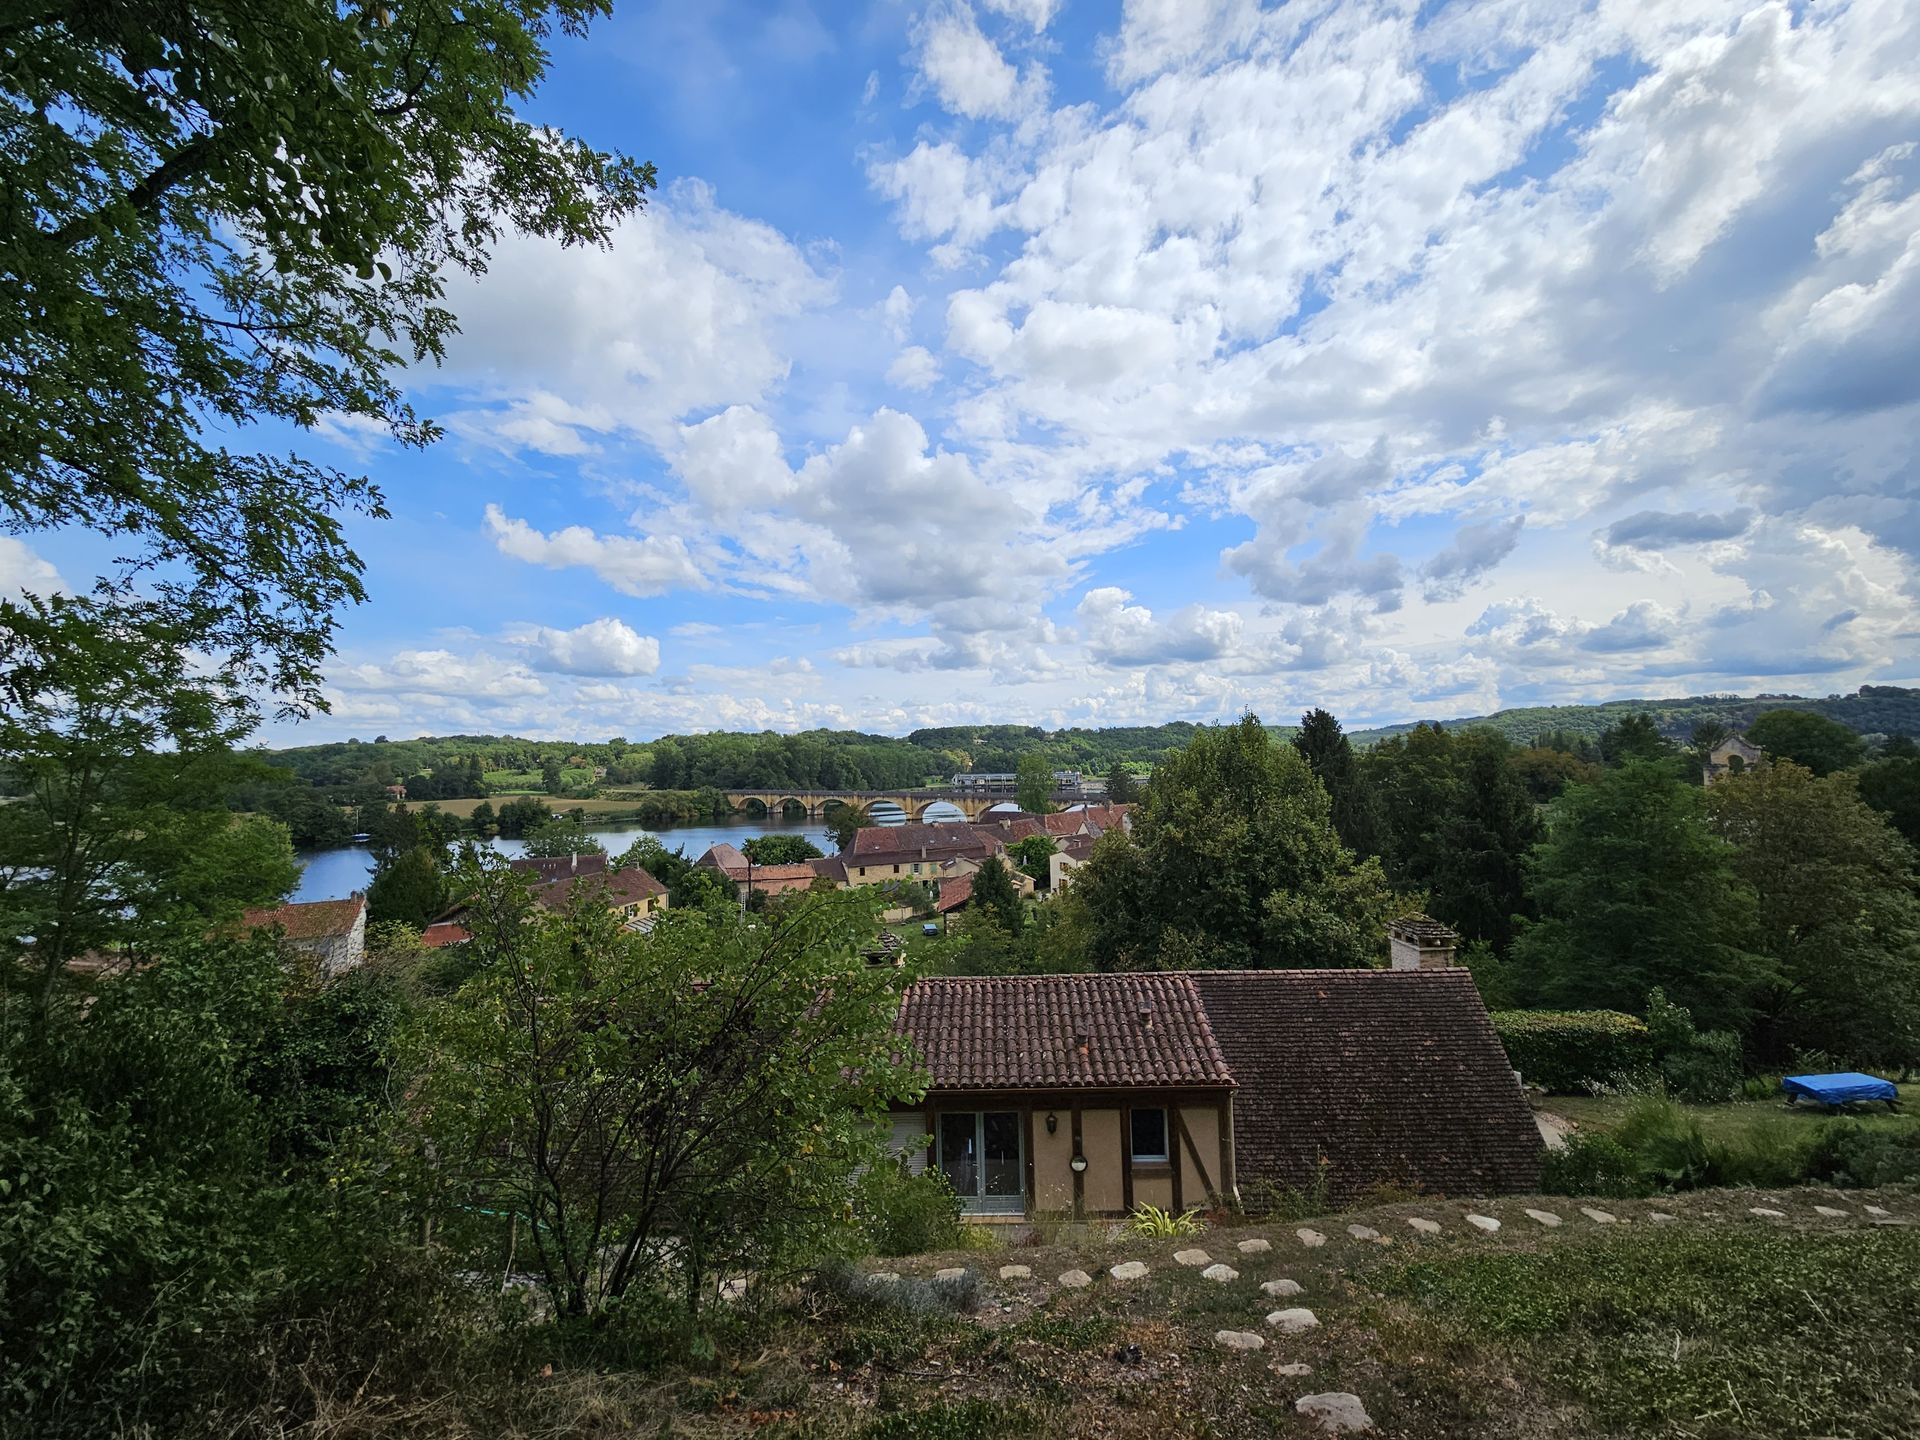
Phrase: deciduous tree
[1821,745]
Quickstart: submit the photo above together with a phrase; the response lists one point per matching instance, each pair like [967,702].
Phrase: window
[1150,1135]
[983,1156]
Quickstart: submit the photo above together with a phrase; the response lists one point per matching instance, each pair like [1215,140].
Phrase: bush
[1573,1051]
[908,1214]
[1851,1154]
[1706,1071]
[1593,1164]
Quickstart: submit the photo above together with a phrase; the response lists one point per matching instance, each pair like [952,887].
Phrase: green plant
[1707,1071]
[1291,1202]
[1592,1164]
[1849,1153]
[1151,1220]
[1572,1051]
[907,1214]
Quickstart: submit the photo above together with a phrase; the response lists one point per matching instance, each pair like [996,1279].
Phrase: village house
[732,866]
[1730,757]
[1089,1095]
[549,868]
[631,891]
[881,854]
[332,932]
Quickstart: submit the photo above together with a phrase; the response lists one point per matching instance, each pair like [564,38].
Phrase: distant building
[558,867]
[1001,782]
[333,932]
[1730,757]
[635,894]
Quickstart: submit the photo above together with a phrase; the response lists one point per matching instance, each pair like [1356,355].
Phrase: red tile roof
[309,919]
[444,933]
[893,844]
[831,866]
[799,870]
[722,857]
[954,894]
[617,887]
[554,867]
[1023,1032]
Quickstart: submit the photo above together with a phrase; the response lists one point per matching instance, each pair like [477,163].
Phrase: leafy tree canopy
[780,849]
[566,836]
[1821,745]
[995,894]
[1034,785]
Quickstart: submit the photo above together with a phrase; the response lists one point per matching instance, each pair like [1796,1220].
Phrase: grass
[1740,1120]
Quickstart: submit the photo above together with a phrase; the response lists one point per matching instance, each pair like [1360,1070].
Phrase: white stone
[1220,1274]
[1765,1214]
[1192,1257]
[1016,1272]
[1830,1212]
[1660,1217]
[885,1277]
[952,1272]
[1239,1340]
[735,1289]
[1129,1270]
[1425,1227]
[1076,1279]
[1255,1247]
[1483,1222]
[1545,1217]
[1336,1412]
[1282,1288]
[1312,1239]
[1292,1322]
[1296,1368]
[1599,1217]
[1875,1210]
[1363,1232]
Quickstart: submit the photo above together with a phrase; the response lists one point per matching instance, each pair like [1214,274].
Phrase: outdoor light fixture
[1079,1162]
[1053,1123]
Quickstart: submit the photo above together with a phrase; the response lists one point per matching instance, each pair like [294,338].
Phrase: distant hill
[1873,710]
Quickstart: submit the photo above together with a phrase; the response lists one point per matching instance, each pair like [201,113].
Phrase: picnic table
[1842,1089]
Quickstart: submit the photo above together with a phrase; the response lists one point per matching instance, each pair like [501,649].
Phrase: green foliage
[1751,1303]
[1329,754]
[1571,1052]
[212,239]
[1631,738]
[1122,788]
[522,814]
[1233,862]
[1848,1153]
[1892,786]
[1155,1223]
[748,1100]
[1034,786]
[780,850]
[842,821]
[411,890]
[1813,741]
[994,894]
[563,837]
[1592,1164]
[902,1213]
[1031,855]
[1635,890]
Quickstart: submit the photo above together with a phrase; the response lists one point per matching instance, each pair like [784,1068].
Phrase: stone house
[1730,757]
[332,932]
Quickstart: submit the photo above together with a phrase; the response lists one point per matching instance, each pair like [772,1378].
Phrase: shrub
[1151,1220]
[1593,1164]
[908,1214]
[1851,1154]
[1572,1051]
[1707,1070]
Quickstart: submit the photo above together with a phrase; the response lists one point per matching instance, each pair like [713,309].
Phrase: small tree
[842,821]
[519,815]
[657,1110]
[1033,788]
[780,849]
[563,837]
[1122,788]
[995,893]
[1820,744]
[1031,856]
[411,890]
[552,778]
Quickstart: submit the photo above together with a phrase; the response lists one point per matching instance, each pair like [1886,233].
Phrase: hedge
[1567,1050]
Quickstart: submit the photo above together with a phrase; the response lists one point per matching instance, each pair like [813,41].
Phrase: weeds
[1153,1222]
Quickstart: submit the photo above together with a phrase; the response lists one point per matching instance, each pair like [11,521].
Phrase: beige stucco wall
[1100,1143]
[1154,1190]
[1052,1157]
[1203,1124]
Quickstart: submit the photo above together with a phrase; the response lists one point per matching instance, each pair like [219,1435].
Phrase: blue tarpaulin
[1839,1089]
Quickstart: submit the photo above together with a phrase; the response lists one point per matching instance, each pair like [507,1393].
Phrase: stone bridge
[817,803]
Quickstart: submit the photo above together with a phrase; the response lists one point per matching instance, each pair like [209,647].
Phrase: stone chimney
[1419,942]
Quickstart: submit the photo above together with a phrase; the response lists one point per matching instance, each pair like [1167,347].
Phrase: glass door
[983,1156]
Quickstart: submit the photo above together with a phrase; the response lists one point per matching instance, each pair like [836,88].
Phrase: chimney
[1419,942]
[1146,1015]
[1081,1041]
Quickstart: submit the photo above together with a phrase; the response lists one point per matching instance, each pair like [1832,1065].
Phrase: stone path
[1239,1340]
[1129,1270]
[1424,1227]
[1220,1274]
[1312,1239]
[1282,1288]
[1483,1222]
[1192,1257]
[1293,1322]
[1337,1412]
[1545,1217]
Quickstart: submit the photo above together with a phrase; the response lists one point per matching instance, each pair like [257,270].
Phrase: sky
[1074,363]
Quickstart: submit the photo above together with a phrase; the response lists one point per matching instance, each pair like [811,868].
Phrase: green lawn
[1742,1118]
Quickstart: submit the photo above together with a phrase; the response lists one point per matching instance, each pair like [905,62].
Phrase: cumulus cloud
[1664,530]
[645,565]
[604,647]
[914,369]
[1473,551]
[967,71]
[1117,633]
[22,571]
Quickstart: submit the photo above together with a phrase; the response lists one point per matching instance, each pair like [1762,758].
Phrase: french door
[983,1155]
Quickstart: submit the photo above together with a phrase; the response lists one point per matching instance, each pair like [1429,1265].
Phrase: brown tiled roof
[1064,822]
[1394,1076]
[831,866]
[307,920]
[443,933]
[619,887]
[799,870]
[1010,830]
[1021,1032]
[722,857]
[954,894]
[554,867]
[890,840]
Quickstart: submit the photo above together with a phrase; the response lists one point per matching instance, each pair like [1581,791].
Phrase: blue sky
[1064,362]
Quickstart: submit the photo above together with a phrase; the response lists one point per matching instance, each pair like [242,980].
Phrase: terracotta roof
[954,894]
[555,867]
[899,839]
[444,933]
[799,870]
[619,887]
[722,857]
[1022,1032]
[831,866]
[308,920]
[1394,1076]
[1010,831]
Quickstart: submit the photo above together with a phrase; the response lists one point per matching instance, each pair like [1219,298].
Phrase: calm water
[336,874]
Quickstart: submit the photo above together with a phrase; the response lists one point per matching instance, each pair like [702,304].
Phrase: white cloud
[967,71]
[604,647]
[22,571]
[914,369]
[1471,554]
[642,566]
[1117,633]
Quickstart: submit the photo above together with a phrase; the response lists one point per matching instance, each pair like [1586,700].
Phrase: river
[337,873]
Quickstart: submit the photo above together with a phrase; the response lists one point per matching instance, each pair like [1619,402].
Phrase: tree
[562,837]
[1033,785]
[1122,788]
[1892,786]
[842,821]
[411,889]
[1329,754]
[1547,772]
[225,212]
[1821,745]
[780,849]
[1031,856]
[1706,735]
[1838,913]
[1232,862]
[482,821]
[521,814]
[647,1132]
[1633,737]
[995,894]
[1634,890]
[552,777]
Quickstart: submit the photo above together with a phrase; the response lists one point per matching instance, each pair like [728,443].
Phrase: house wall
[1052,1160]
[1104,1185]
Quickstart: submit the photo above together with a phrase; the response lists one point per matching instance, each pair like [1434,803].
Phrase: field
[1743,1119]
[531,782]
[1714,1324]
[600,806]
